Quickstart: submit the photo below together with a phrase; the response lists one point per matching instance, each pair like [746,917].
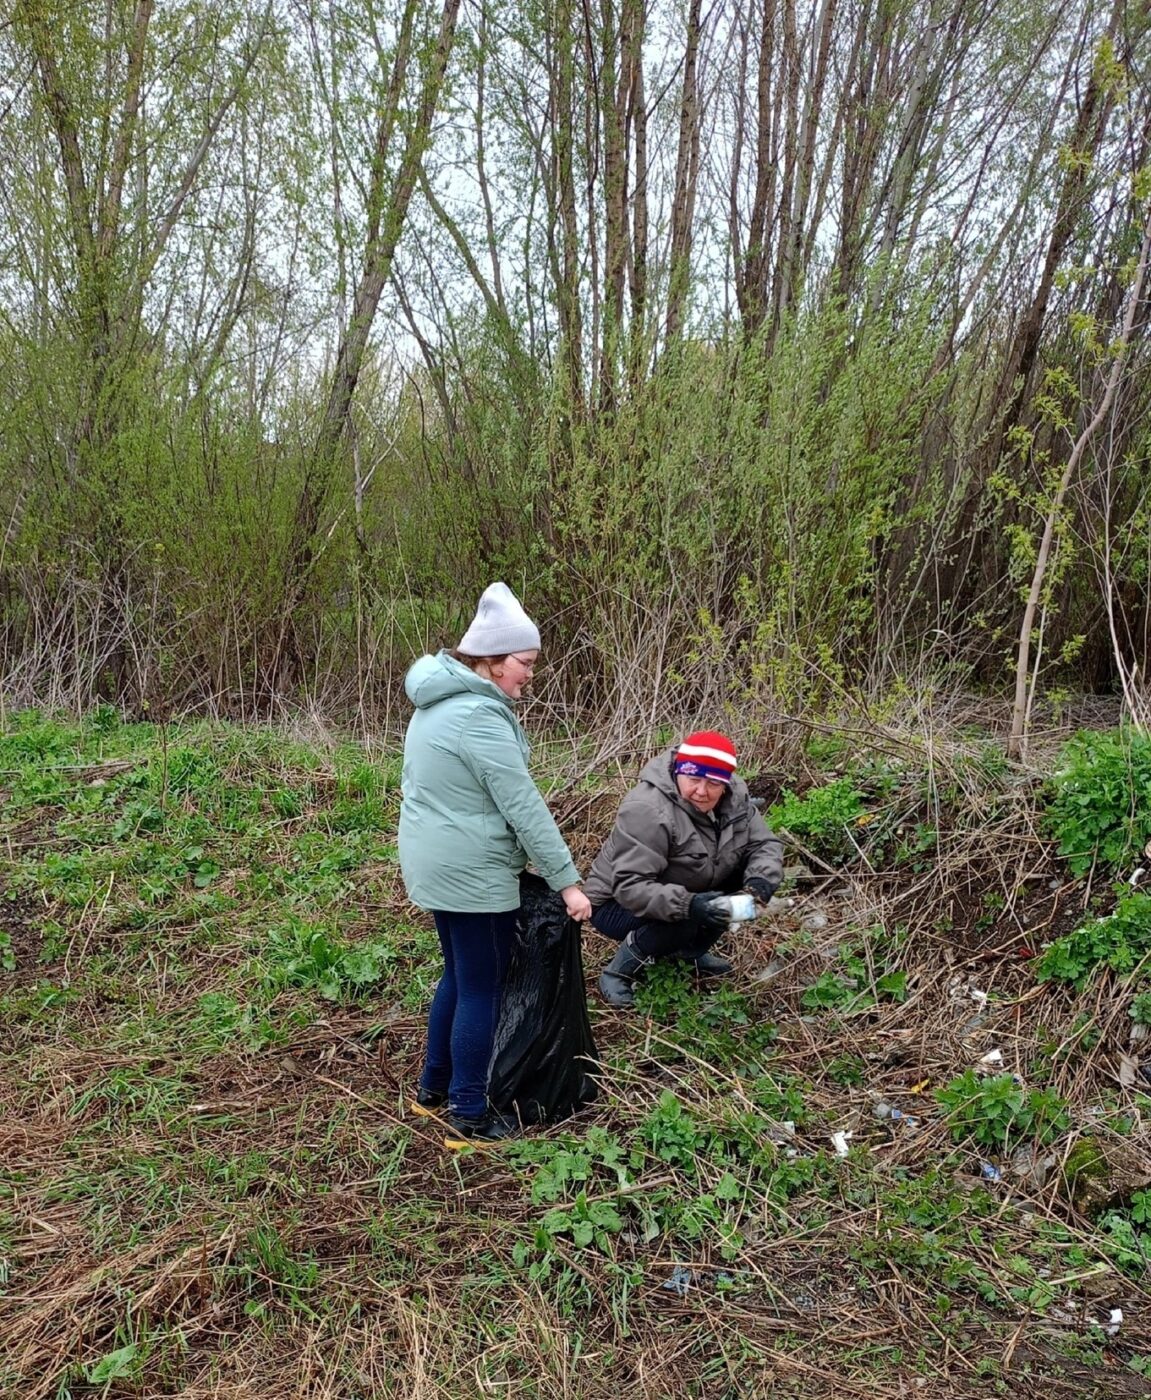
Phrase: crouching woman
[685,836]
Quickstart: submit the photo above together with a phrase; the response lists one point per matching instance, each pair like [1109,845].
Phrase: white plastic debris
[1137,876]
[1128,1069]
[771,971]
[839,1142]
[1115,1322]
[993,1057]
[680,1281]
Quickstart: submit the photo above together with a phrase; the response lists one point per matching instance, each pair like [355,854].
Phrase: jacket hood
[657,774]
[435,678]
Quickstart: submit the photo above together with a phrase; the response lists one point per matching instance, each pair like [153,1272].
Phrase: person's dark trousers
[466,1007]
[650,938]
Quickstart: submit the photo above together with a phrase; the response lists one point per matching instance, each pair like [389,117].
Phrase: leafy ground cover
[904,1151]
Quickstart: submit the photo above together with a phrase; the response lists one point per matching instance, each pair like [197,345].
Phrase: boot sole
[457,1144]
[419,1111]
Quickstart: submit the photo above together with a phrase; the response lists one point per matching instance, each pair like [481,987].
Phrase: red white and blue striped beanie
[705,754]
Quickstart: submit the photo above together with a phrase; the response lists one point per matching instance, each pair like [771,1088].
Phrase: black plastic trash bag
[544,1055]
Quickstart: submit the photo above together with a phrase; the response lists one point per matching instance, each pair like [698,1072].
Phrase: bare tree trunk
[1017,742]
[481,166]
[612,105]
[686,176]
[862,136]
[635,11]
[387,210]
[790,192]
[800,232]
[751,278]
[1083,147]
[563,211]
[591,105]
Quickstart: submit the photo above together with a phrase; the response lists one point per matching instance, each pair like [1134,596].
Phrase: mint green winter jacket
[471,817]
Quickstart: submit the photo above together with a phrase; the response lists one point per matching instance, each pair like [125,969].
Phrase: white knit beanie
[499,626]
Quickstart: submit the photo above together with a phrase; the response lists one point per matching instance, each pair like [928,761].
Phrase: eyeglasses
[529,666]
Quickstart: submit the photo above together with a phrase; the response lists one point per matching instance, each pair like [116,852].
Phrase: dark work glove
[761,888]
[709,910]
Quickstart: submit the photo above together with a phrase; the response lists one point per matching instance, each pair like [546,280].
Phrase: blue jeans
[466,1007]
[650,938]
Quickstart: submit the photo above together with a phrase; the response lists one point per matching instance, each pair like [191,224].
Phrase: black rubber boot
[479,1132]
[428,1104]
[615,981]
[708,965]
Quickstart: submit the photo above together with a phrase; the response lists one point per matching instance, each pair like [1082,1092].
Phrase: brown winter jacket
[662,851]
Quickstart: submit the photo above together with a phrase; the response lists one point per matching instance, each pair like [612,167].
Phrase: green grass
[213,992]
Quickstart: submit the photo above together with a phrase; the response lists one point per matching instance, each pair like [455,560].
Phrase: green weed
[220,1020]
[268,1268]
[997,1113]
[1099,800]
[672,1133]
[822,818]
[588,1222]
[866,975]
[299,954]
[568,1164]
[1120,941]
[130,1093]
[847,1070]
[122,1364]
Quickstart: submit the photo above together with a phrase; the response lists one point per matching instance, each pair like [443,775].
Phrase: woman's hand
[577,903]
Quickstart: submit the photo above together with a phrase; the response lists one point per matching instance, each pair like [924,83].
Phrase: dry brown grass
[135,1216]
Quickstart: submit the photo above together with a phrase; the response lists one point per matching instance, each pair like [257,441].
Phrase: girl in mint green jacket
[471,819]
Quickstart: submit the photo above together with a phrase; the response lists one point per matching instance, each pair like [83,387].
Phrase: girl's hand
[577,903]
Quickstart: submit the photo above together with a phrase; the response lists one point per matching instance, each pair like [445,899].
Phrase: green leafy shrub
[35,740]
[567,1166]
[1120,940]
[864,977]
[1141,1009]
[997,1112]
[821,819]
[302,955]
[1129,1248]
[672,1133]
[1099,799]
[588,1222]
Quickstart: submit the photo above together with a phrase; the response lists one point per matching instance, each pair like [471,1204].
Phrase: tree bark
[1016,746]
[388,209]
[686,176]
